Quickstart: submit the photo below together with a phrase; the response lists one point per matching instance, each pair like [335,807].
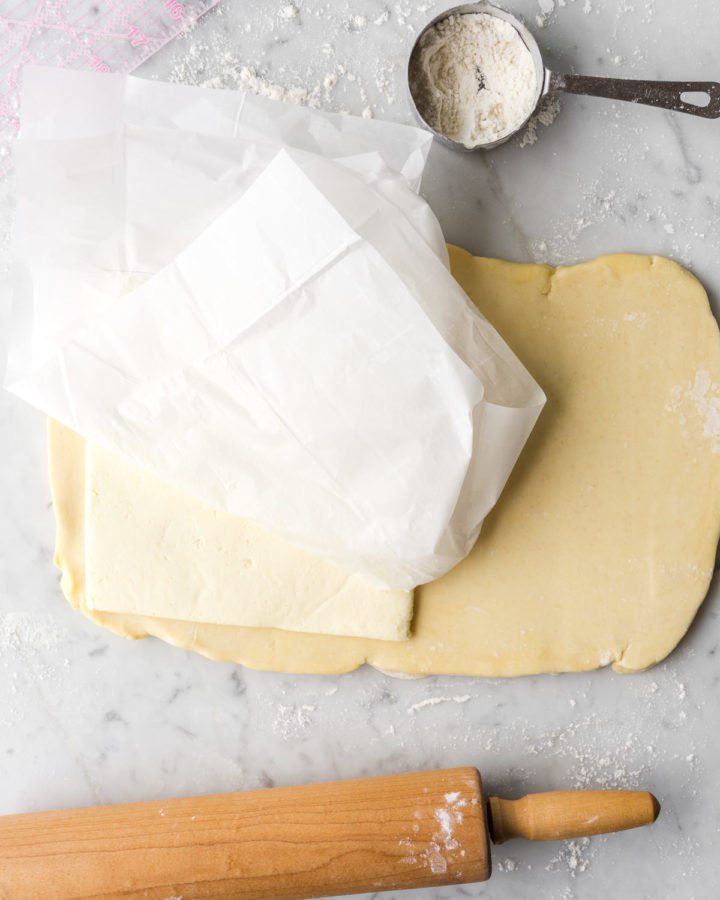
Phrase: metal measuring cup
[664,94]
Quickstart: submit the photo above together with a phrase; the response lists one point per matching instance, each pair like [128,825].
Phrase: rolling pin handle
[559,815]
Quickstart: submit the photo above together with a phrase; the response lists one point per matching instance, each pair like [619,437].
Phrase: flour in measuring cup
[473,78]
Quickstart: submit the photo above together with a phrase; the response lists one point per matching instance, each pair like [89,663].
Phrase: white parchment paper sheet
[251,301]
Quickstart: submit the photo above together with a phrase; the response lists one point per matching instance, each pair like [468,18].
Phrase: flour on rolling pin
[448,817]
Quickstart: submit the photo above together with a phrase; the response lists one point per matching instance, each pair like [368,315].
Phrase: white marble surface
[86,717]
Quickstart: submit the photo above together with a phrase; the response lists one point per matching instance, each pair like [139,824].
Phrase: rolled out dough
[602,545]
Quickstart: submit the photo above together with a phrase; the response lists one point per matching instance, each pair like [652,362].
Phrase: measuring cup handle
[665,94]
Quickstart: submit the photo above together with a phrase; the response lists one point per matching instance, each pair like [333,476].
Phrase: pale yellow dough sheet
[602,545]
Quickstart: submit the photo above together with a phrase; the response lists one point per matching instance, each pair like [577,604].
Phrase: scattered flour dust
[292,721]
[22,632]
[706,397]
[433,701]
[243,56]
[703,397]
[547,9]
[247,79]
[473,79]
[574,856]
[31,653]
[546,115]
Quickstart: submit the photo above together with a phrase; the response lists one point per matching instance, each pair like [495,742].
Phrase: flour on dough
[601,547]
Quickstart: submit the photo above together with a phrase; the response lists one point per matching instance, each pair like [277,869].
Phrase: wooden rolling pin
[400,831]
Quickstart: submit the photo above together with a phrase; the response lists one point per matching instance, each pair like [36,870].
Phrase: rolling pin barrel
[401,831]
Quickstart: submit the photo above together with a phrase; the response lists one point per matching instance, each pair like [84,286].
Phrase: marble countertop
[87,717]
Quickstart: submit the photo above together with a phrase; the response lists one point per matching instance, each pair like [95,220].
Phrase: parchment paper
[251,301]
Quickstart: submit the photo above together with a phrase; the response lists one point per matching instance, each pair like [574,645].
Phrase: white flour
[707,404]
[433,701]
[473,79]
[330,78]
[545,115]
[29,633]
[703,397]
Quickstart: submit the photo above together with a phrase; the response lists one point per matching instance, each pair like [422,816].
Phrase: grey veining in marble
[86,717]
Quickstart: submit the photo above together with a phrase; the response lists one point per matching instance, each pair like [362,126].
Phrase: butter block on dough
[153,550]
[602,545]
